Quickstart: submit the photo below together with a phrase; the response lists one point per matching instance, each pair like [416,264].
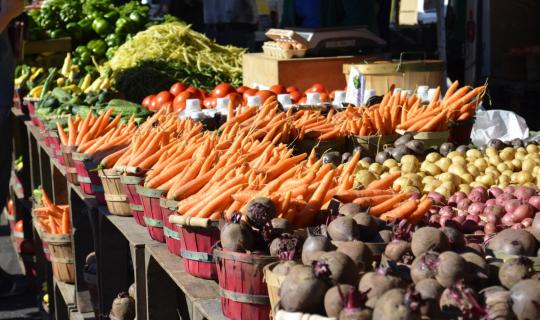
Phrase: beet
[282,225]
[342,268]
[477,269]
[498,303]
[514,270]
[354,308]
[382,236]
[284,243]
[237,236]
[398,251]
[343,228]
[430,290]
[425,266]
[526,299]
[535,227]
[284,267]
[428,239]
[335,299]
[123,307]
[513,242]
[350,209]
[312,245]
[398,304]
[260,211]
[377,283]
[367,225]
[460,302]
[456,239]
[302,291]
[359,253]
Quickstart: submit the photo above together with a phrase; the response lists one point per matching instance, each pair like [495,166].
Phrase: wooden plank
[33,136]
[136,234]
[50,45]
[21,148]
[67,290]
[161,291]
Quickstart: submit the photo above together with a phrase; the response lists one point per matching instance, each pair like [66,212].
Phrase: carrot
[420,212]
[110,160]
[71,132]
[84,128]
[52,225]
[384,183]
[225,197]
[366,202]
[451,90]
[284,165]
[401,212]
[62,134]
[388,204]
[316,201]
[65,222]
[465,116]
[434,123]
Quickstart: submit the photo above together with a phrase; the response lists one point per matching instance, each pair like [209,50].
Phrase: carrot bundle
[52,218]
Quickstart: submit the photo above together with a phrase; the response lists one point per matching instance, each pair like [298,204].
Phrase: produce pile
[96,27]
[51,218]
[171,52]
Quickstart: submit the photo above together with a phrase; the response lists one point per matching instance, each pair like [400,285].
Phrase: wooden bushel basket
[273,283]
[305,146]
[61,257]
[55,146]
[116,199]
[152,212]
[129,184]
[88,176]
[71,171]
[375,143]
[172,236]
[198,236]
[44,244]
[244,294]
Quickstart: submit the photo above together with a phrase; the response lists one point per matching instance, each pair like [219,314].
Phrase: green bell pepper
[101,26]
[57,33]
[111,17]
[74,30]
[113,40]
[98,47]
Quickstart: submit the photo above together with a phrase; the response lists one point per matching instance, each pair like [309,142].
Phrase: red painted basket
[71,171]
[44,244]
[172,236]
[244,294]
[152,212]
[55,146]
[129,183]
[88,176]
[198,237]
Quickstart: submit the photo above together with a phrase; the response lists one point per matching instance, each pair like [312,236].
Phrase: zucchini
[124,107]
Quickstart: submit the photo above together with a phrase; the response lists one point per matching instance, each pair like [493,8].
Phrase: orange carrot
[420,212]
[366,202]
[384,183]
[388,204]
[401,212]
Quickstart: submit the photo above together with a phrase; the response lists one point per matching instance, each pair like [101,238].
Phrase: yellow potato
[491,151]
[473,153]
[376,168]
[532,148]
[465,188]
[467,178]
[389,163]
[481,164]
[433,157]
[517,164]
[443,163]
[528,165]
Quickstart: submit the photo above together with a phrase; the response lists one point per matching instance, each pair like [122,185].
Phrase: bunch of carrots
[53,219]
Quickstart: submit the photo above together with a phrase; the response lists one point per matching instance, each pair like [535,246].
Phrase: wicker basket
[117,201]
[273,283]
[61,256]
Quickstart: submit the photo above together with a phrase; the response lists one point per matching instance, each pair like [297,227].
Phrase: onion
[476,208]
[436,197]
[535,202]
[502,198]
[523,211]
[527,222]
[524,193]
[491,202]
[511,205]
[463,204]
[490,228]
[493,192]
[507,219]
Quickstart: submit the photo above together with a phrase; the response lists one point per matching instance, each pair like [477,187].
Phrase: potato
[443,163]
[394,169]
[504,180]
[528,165]
[481,164]
[363,164]
[453,154]
[532,148]
[529,184]
[487,180]
[466,178]
[432,169]
[535,171]
[507,173]
[409,164]
[450,186]
[457,169]
[376,168]
[473,153]
[421,174]
[459,160]
[491,151]
[429,188]
[389,163]
[494,160]
[521,150]
[365,177]
[433,157]
[517,164]
[475,184]
[524,177]
[384,175]
[410,189]
[509,165]
[520,155]
[465,188]
[473,170]
[493,171]
[501,167]
[444,191]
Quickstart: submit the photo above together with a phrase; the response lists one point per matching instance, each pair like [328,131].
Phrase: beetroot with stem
[378,282]
[237,236]
[460,301]
[354,308]
[315,243]
[399,251]
[498,303]
[526,299]
[398,304]
[334,299]
[402,230]
[428,239]
[514,270]
[425,266]
[342,268]
[430,291]
[260,211]
[343,228]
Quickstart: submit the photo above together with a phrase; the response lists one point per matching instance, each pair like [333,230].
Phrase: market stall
[155,185]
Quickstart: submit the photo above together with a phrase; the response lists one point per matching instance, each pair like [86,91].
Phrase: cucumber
[124,107]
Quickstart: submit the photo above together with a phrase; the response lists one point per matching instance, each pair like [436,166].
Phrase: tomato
[10,207]
[209,102]
[153,105]
[27,247]
[265,94]
[163,97]
[205,93]
[332,95]
[167,105]
[19,226]
[177,88]
[325,97]
[295,96]
[196,93]
[291,89]
[242,89]
[278,89]
[179,102]
[235,98]
[147,101]
[222,89]
[248,93]
[317,87]
[302,100]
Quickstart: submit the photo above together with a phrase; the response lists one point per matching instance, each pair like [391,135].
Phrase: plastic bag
[498,124]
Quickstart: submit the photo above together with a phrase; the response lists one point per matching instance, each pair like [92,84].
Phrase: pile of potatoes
[458,170]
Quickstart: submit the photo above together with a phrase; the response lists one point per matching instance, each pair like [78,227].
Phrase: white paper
[355,87]
[498,124]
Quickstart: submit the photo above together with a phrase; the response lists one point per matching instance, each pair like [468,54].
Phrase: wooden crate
[259,69]
[51,45]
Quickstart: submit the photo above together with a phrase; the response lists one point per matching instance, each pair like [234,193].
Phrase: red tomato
[248,93]
[153,105]
[295,96]
[205,93]
[196,93]
[278,89]
[179,102]
[10,207]
[291,89]
[242,89]
[147,101]
[235,98]
[26,247]
[163,97]
[222,89]
[265,94]
[209,103]
[302,100]
[332,95]
[167,105]
[317,87]
[177,88]
[19,226]
[325,97]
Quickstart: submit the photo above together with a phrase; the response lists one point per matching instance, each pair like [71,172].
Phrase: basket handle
[189,221]
[409,53]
